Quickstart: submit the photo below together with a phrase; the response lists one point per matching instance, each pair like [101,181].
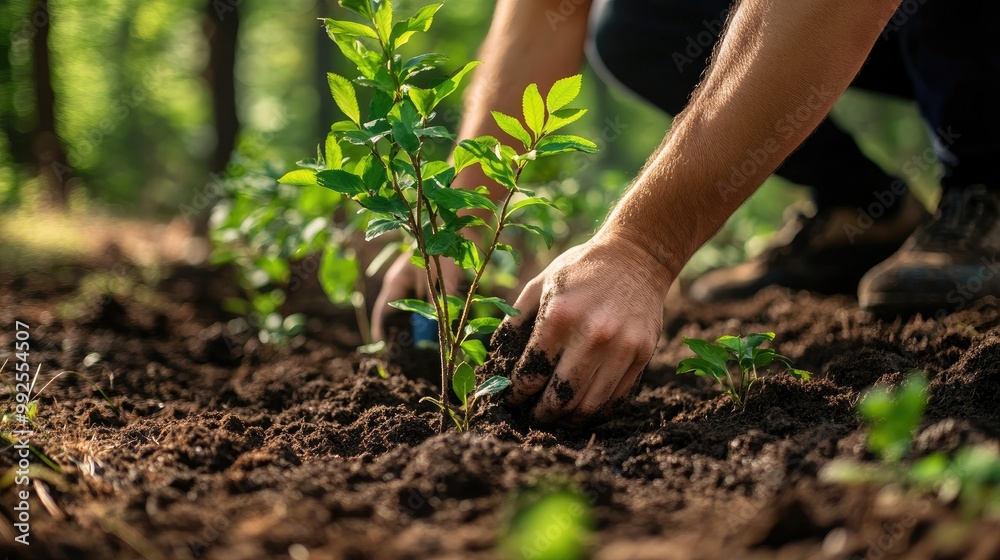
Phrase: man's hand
[599,314]
[405,280]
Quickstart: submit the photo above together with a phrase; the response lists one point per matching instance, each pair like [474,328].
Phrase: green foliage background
[134,111]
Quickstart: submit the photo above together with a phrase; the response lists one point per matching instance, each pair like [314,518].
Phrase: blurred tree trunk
[325,62]
[221,28]
[222,31]
[50,156]
[19,140]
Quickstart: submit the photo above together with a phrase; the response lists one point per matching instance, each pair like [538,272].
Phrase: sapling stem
[417,196]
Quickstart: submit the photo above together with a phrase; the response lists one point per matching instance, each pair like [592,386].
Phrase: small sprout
[553,526]
[894,416]
[971,476]
[752,361]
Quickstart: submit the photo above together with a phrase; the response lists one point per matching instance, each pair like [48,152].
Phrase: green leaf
[341,181]
[404,136]
[345,96]
[391,204]
[422,63]
[561,118]
[761,358]
[492,386]
[332,152]
[894,417]
[361,7]
[372,173]
[484,150]
[513,252]
[499,303]
[561,143]
[474,350]
[367,61]
[379,226]
[441,242]
[534,109]
[418,306]
[563,92]
[466,254]
[343,126]
[383,21]
[457,199]
[464,382]
[349,28]
[713,354]
[381,103]
[700,366]
[424,100]
[436,168]
[513,127]
[540,231]
[733,344]
[482,325]
[337,275]
[434,132]
[800,373]
[299,177]
[455,306]
[420,22]
[447,87]
[753,340]
[381,80]
[529,202]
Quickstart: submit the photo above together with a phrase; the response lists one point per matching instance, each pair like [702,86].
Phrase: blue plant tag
[424,330]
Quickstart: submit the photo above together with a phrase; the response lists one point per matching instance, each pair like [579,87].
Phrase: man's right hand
[406,280]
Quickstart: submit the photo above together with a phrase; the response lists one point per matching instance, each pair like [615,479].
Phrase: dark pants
[942,53]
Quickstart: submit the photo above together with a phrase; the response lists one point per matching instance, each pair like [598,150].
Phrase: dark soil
[212,445]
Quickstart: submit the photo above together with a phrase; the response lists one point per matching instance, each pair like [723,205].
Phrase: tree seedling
[402,187]
[751,362]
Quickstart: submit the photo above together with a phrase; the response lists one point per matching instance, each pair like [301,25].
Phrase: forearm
[777,72]
[521,48]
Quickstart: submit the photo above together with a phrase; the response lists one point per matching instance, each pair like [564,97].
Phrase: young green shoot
[751,363]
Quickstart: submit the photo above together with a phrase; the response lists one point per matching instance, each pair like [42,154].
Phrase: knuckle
[601,333]
[560,315]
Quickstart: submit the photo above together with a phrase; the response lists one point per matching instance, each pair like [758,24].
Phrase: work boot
[827,252]
[945,265]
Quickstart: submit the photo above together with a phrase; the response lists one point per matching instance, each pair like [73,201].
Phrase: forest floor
[178,439]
